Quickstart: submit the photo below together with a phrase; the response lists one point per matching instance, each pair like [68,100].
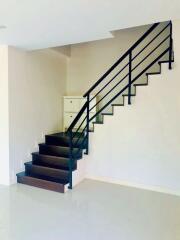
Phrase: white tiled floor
[92,211]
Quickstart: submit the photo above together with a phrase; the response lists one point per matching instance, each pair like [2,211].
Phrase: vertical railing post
[87,123]
[170,47]
[70,158]
[130,72]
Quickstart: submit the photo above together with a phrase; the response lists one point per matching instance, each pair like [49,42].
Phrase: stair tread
[45,167]
[165,61]
[98,122]
[44,178]
[62,151]
[51,161]
[47,173]
[61,135]
[126,95]
[40,182]
[62,139]
[50,156]
[140,84]
[153,73]
[107,114]
[115,104]
[57,146]
[91,131]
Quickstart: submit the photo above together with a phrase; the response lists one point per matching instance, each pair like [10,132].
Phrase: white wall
[139,145]
[89,61]
[37,84]
[134,151]
[4,119]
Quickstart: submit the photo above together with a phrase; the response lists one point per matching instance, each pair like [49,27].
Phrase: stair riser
[35,182]
[51,162]
[57,151]
[50,140]
[47,172]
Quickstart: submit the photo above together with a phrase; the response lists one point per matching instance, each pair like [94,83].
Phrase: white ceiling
[35,24]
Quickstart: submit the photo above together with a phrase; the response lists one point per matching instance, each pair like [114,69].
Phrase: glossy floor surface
[92,211]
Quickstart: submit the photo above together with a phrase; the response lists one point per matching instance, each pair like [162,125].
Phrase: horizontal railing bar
[128,62]
[82,132]
[98,112]
[131,71]
[151,41]
[79,149]
[80,135]
[109,81]
[122,57]
[77,117]
[151,52]
[81,142]
[109,91]
[149,66]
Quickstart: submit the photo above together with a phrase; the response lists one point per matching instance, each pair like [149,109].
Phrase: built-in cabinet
[72,105]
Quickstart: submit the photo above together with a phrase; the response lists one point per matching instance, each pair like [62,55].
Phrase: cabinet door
[71,105]
[68,118]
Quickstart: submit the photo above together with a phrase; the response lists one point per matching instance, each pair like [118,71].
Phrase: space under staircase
[53,166]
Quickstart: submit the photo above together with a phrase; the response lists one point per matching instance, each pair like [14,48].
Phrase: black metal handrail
[122,57]
[77,117]
[79,129]
[132,60]
[128,85]
[131,70]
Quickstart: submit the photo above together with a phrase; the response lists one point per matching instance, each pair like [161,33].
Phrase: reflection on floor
[92,211]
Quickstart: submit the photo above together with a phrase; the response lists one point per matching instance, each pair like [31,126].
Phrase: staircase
[53,167]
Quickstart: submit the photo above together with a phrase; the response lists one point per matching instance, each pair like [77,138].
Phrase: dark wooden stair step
[98,122]
[126,95]
[62,139]
[108,114]
[32,169]
[52,161]
[117,105]
[59,151]
[140,84]
[42,182]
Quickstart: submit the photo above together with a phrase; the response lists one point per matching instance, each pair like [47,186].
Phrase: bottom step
[36,181]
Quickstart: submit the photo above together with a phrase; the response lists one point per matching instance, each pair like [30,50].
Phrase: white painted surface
[93,210]
[36,89]
[140,143]
[4,118]
[46,23]
[78,175]
[133,184]
[89,61]
[27,115]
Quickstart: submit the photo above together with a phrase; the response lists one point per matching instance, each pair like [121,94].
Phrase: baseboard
[135,185]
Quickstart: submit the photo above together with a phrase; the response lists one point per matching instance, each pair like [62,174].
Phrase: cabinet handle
[70,101]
